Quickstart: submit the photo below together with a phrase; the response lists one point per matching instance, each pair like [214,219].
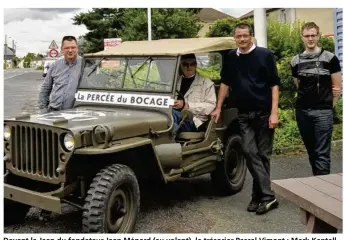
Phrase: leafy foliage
[131,24]
[338,111]
[287,88]
[28,59]
[284,39]
[212,72]
[327,43]
[166,23]
[224,27]
[16,61]
[101,23]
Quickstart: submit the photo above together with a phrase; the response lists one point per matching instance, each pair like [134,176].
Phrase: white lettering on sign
[125,99]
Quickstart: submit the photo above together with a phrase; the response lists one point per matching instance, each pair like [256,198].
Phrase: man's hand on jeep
[216,114]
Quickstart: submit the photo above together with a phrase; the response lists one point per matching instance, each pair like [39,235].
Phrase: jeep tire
[14,212]
[113,201]
[230,173]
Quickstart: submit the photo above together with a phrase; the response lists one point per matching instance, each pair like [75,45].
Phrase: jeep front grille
[35,151]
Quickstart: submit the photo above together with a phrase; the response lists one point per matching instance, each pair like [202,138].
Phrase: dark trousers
[315,127]
[187,126]
[257,139]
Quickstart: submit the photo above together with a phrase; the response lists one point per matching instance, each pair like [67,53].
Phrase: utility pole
[149,24]
[260,26]
[81,43]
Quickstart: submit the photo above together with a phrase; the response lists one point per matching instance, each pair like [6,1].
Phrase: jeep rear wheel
[229,176]
[14,212]
[113,201]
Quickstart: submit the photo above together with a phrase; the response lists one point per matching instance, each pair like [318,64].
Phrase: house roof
[8,51]
[168,47]
[211,14]
[251,13]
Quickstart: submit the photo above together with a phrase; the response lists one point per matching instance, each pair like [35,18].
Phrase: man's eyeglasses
[312,36]
[188,64]
[71,48]
[241,36]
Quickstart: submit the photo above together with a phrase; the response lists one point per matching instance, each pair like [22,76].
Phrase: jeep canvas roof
[168,47]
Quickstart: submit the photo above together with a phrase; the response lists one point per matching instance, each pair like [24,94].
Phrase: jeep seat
[194,137]
[191,135]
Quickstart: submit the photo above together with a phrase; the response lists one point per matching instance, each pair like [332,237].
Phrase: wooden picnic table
[319,199]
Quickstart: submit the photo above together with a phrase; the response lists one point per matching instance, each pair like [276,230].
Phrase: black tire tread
[14,212]
[218,177]
[98,193]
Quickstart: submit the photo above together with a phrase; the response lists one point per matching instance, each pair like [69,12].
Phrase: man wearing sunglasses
[198,93]
[317,76]
[61,82]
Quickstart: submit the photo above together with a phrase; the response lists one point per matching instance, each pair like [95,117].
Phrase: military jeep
[119,133]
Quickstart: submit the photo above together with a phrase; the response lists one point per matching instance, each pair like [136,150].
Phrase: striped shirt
[314,70]
[60,85]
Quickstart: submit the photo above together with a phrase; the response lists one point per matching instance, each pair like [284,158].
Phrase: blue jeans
[187,126]
[315,127]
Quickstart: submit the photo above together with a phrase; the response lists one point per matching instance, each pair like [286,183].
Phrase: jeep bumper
[32,198]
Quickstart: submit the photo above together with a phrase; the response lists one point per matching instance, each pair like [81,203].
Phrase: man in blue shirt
[61,82]
[251,73]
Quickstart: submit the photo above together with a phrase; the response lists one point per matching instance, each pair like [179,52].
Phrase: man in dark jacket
[251,73]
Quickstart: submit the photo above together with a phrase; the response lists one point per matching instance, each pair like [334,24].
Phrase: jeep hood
[127,122]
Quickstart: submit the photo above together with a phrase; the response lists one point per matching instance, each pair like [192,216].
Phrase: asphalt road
[11,73]
[187,206]
[21,87]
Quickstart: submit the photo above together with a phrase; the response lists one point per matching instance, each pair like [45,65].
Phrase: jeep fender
[140,155]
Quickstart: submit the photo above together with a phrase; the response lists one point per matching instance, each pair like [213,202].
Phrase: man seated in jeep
[199,95]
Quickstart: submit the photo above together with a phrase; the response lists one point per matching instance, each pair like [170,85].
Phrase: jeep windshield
[129,73]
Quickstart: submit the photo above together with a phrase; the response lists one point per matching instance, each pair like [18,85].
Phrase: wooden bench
[319,199]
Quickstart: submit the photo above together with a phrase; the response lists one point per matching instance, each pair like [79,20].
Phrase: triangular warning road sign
[53,45]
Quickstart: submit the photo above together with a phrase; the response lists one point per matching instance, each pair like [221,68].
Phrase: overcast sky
[33,29]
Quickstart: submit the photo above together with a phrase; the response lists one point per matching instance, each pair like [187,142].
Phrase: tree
[166,23]
[284,39]
[131,24]
[15,61]
[224,27]
[28,59]
[101,23]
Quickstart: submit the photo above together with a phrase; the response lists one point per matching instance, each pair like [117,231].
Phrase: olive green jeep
[119,133]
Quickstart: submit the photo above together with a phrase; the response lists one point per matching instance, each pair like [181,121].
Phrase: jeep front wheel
[229,176]
[14,212]
[113,201]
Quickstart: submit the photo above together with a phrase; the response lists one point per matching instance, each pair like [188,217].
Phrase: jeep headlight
[7,132]
[68,142]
